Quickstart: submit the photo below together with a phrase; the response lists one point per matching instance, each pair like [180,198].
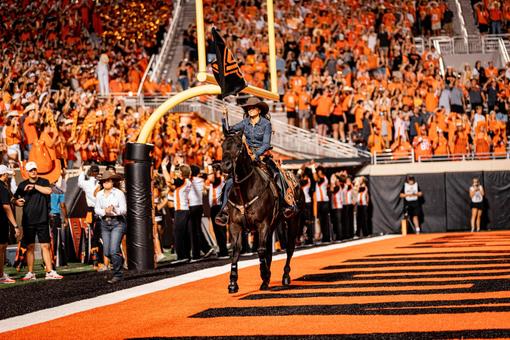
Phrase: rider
[256,127]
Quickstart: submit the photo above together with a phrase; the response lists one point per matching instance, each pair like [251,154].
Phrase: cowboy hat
[256,102]
[110,175]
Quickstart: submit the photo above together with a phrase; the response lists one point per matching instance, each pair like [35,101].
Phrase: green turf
[70,269]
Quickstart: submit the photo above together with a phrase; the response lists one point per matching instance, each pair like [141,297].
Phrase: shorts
[413,208]
[334,119]
[436,26]
[351,119]
[477,205]
[457,108]
[291,114]
[322,120]
[303,114]
[42,230]
[4,234]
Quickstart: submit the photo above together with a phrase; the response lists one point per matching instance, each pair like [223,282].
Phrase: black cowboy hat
[256,102]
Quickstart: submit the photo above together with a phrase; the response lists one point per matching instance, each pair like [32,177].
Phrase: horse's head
[232,149]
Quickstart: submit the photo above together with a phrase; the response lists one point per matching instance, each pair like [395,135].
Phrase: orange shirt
[291,101]
[304,100]
[30,130]
[441,146]
[12,138]
[324,104]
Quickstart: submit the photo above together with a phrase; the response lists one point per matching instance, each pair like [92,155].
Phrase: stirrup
[221,219]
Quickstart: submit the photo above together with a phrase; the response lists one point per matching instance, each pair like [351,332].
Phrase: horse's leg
[265,273]
[235,232]
[292,230]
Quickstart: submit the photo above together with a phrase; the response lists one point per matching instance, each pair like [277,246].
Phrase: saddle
[291,182]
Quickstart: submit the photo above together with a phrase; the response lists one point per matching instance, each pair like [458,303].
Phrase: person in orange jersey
[422,145]
[324,103]
[482,143]
[291,101]
[401,148]
[440,144]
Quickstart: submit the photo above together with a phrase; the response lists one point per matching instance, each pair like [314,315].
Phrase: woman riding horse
[256,127]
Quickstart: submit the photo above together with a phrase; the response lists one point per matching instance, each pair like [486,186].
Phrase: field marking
[53,313]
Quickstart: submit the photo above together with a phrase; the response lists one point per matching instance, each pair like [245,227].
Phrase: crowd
[491,16]
[351,71]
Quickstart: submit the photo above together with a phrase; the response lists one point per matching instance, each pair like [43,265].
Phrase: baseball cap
[30,166]
[5,170]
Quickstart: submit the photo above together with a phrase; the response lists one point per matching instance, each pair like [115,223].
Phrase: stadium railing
[387,157]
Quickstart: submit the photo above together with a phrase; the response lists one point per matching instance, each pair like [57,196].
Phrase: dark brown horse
[254,205]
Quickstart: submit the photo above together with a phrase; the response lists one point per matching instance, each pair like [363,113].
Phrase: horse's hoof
[233,288]
[264,286]
[286,280]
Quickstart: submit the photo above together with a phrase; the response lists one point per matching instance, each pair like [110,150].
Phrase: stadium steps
[171,60]
[468,15]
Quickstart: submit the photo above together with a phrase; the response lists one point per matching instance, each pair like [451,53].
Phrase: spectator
[102,75]
[110,207]
[411,194]
[476,193]
[6,219]
[322,198]
[33,195]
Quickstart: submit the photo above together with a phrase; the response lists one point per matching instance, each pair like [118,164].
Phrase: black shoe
[114,280]
[221,219]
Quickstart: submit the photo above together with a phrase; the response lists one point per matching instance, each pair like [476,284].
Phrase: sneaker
[29,276]
[180,261]
[53,275]
[103,269]
[209,253]
[114,280]
[5,279]
[160,258]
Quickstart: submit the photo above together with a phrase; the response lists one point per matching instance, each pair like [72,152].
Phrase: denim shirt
[258,136]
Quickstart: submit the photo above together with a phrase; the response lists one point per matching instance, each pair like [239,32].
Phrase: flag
[225,68]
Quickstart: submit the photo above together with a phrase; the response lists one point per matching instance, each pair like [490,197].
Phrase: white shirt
[321,191]
[181,196]
[477,197]
[115,198]
[306,192]
[88,186]
[411,189]
[196,192]
[215,193]
[337,201]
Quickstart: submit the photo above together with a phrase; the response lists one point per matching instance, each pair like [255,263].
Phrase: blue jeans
[496,27]
[112,231]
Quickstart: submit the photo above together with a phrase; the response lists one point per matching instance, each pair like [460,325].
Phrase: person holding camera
[322,198]
[337,182]
[477,194]
[412,207]
[33,195]
[88,182]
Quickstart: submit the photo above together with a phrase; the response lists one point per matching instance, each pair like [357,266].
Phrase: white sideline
[133,292]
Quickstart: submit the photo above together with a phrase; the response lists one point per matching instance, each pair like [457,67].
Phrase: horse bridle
[234,162]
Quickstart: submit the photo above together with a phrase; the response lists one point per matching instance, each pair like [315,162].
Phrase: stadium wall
[445,203]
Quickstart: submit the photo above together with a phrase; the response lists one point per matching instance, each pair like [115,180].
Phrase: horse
[253,204]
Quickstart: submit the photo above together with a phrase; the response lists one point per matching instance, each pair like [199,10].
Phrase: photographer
[321,194]
[412,207]
[88,182]
[305,182]
[337,182]
[476,193]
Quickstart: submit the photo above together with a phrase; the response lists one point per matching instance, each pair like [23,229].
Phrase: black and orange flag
[225,68]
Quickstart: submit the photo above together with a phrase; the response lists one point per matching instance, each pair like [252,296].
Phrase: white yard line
[133,292]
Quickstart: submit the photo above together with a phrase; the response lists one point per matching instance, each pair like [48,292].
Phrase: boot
[222,218]
[288,210]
